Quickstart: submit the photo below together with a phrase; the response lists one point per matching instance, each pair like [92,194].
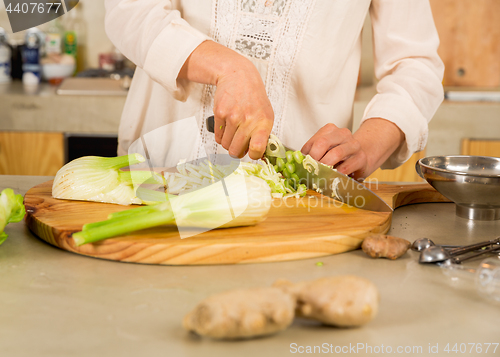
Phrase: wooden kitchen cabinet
[405,172]
[480,147]
[469,32]
[31,153]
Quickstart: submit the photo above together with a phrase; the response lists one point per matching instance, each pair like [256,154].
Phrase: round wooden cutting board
[312,226]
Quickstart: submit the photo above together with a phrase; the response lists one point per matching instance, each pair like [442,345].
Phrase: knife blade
[331,183]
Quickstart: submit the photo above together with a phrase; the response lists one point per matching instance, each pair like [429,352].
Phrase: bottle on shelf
[5,57]
[54,36]
[31,55]
[16,69]
[74,40]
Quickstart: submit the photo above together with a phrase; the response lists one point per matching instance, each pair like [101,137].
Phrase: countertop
[56,303]
[42,109]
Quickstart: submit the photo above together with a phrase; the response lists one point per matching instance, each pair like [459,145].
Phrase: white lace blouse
[307,51]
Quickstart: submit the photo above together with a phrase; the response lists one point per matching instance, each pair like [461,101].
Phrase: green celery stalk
[156,216]
[203,208]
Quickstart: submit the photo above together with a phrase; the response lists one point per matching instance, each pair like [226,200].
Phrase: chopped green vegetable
[280,163]
[319,264]
[11,210]
[290,167]
[298,157]
[267,172]
[310,165]
[274,147]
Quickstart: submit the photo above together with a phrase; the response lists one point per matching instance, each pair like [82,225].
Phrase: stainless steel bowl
[472,182]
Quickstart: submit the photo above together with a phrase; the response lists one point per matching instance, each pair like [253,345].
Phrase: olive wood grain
[309,227]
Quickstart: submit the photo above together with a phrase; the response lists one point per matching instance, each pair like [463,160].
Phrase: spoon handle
[471,247]
[492,249]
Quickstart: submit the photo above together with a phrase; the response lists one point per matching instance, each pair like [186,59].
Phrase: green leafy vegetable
[11,210]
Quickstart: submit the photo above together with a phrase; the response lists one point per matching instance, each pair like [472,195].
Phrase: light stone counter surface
[44,110]
[56,303]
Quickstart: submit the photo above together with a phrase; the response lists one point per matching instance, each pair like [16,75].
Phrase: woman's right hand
[243,113]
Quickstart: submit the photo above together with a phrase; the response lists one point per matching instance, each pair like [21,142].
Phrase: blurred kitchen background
[76,107]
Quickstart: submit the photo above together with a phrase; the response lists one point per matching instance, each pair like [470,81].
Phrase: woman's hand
[358,154]
[243,113]
[338,147]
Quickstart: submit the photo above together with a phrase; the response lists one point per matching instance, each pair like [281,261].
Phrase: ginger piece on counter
[344,301]
[242,314]
[383,246]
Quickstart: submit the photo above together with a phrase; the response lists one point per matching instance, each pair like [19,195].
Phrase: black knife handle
[210,121]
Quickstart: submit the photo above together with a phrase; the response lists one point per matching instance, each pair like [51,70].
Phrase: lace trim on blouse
[263,30]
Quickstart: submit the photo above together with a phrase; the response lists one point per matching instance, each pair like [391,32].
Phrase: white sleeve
[155,37]
[409,70]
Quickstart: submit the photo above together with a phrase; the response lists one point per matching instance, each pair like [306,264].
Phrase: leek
[208,207]
[93,178]
[281,178]
[310,165]
[11,210]
[275,148]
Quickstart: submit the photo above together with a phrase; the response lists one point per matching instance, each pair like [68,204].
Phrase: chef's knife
[331,183]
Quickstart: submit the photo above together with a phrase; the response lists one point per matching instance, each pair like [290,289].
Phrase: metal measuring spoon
[491,249]
[423,243]
[436,253]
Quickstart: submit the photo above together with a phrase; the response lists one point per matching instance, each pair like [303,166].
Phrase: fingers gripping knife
[331,183]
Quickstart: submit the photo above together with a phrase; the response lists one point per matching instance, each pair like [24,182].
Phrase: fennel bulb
[237,200]
[93,178]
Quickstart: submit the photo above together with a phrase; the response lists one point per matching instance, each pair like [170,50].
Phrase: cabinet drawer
[480,147]
[31,153]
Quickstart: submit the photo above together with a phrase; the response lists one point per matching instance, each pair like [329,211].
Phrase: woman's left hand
[337,147]
[358,154]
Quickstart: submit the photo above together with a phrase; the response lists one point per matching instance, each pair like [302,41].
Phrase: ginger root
[344,301]
[242,314]
[382,246]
